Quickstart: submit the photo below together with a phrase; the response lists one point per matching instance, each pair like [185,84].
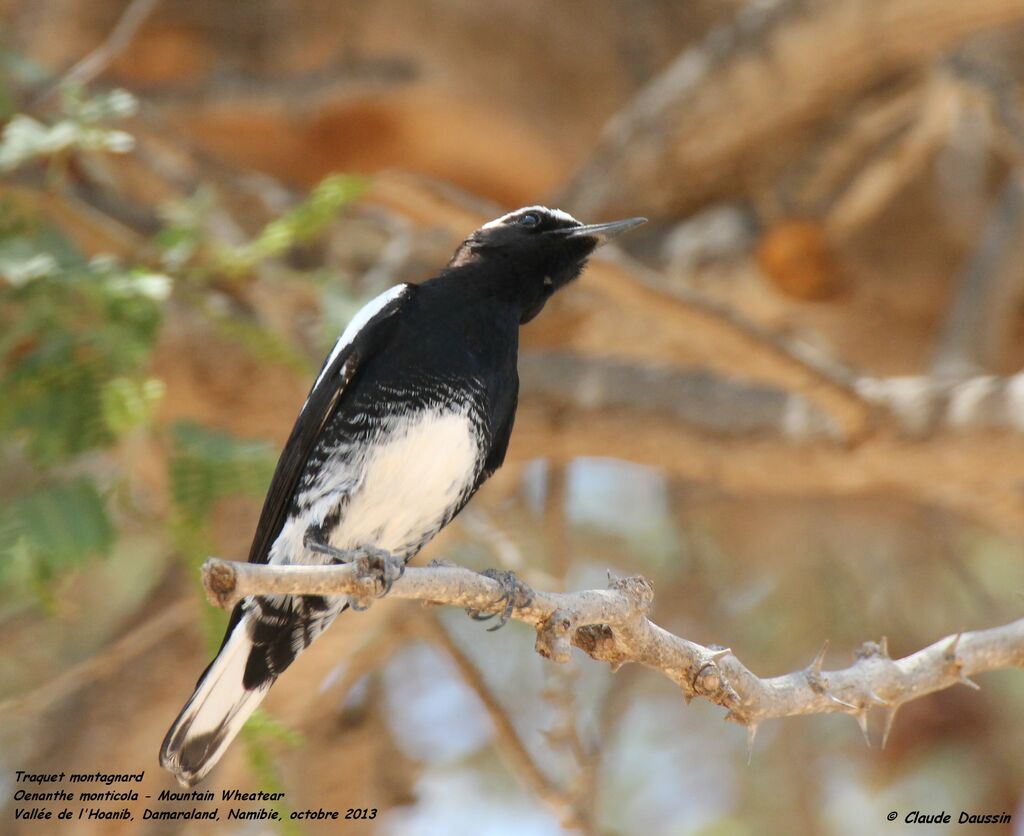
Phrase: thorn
[862,721]
[751,737]
[890,716]
[819,660]
[718,654]
[966,680]
[614,666]
[950,652]
[687,697]
[838,701]
[883,647]
[874,698]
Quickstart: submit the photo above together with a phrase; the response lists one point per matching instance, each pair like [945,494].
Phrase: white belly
[394,492]
[410,483]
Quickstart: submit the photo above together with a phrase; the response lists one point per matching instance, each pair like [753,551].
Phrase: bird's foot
[370,562]
[380,565]
[514,594]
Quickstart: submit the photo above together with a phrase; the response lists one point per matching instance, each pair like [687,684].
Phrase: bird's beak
[603,232]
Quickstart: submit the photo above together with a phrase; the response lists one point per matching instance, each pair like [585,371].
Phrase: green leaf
[54,528]
[208,465]
[128,403]
[300,225]
[25,138]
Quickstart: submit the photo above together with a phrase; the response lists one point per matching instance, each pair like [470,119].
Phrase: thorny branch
[613,625]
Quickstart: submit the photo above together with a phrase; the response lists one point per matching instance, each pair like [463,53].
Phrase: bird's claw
[514,593]
[380,565]
[370,562]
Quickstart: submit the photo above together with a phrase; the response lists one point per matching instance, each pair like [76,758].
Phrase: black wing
[373,327]
[321,404]
[499,443]
[496,452]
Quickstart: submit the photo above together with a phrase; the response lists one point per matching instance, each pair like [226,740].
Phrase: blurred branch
[340,77]
[707,402]
[613,625]
[571,813]
[893,163]
[975,475]
[113,658]
[92,65]
[917,405]
[982,317]
[786,67]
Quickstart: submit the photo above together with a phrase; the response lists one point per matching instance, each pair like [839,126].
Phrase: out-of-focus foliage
[81,127]
[189,248]
[298,226]
[76,338]
[52,528]
[208,465]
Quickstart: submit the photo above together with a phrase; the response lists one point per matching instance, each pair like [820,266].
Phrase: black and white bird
[410,414]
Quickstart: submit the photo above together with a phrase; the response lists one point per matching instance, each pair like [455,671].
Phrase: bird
[410,414]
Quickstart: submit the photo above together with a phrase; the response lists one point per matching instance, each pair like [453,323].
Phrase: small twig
[507,737]
[89,67]
[612,625]
[108,660]
[981,318]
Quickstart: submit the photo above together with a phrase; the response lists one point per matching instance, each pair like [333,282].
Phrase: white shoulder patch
[555,213]
[358,322]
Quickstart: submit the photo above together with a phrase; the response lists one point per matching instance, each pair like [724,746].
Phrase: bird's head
[534,251]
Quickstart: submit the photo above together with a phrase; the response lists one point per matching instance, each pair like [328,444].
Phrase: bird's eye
[529,219]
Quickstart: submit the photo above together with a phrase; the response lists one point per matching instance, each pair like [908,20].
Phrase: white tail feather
[215,714]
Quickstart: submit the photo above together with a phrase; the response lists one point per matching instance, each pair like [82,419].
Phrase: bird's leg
[514,593]
[379,564]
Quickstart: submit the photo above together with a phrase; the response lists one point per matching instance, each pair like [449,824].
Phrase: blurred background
[794,402]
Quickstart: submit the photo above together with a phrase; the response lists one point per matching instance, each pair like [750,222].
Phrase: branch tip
[220,581]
